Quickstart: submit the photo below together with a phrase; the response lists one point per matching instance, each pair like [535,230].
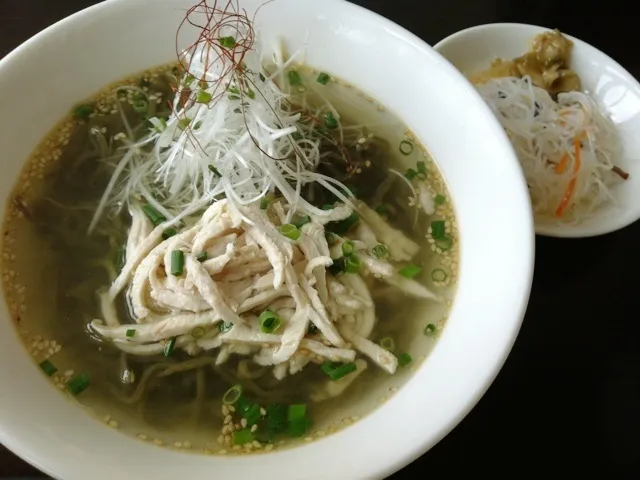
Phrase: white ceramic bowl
[43,78]
[615,89]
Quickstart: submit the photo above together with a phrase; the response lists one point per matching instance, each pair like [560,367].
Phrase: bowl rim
[592,52]
[500,351]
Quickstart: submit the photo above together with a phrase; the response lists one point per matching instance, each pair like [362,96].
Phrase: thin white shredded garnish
[567,148]
[236,137]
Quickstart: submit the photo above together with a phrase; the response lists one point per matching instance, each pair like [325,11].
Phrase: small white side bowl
[615,89]
[43,78]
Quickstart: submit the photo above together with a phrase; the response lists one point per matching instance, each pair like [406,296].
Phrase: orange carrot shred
[572,183]
[562,166]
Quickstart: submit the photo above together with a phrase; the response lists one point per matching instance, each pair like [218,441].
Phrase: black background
[567,401]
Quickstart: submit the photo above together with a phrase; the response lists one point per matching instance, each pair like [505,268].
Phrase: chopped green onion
[388,344]
[290,231]
[163,125]
[296,412]
[177,262]
[78,384]
[131,332]
[188,79]
[232,395]
[264,203]
[83,111]
[444,243]
[406,147]
[234,90]
[269,321]
[348,248]
[202,256]
[438,275]
[299,427]
[251,94]
[183,123]
[440,199]
[262,77]
[140,106]
[242,437]
[323,78]
[422,167]
[225,326]
[168,233]
[197,125]
[343,226]
[404,359]
[330,120]
[298,420]
[252,414]
[331,238]
[276,417]
[48,367]
[294,78]
[303,220]
[380,251]
[249,411]
[168,348]
[154,215]
[335,371]
[352,264]
[410,174]
[214,170]
[382,210]
[227,42]
[410,270]
[312,330]
[198,332]
[203,97]
[265,437]
[438,229]
[430,329]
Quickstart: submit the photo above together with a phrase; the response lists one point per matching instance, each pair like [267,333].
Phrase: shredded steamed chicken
[251,266]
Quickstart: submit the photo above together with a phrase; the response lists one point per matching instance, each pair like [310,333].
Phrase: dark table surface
[568,397]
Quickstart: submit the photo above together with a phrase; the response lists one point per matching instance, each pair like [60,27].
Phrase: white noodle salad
[567,148]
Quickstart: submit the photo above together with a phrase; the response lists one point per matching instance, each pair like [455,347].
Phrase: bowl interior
[617,92]
[345,40]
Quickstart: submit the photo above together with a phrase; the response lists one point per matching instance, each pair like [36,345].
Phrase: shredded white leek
[241,145]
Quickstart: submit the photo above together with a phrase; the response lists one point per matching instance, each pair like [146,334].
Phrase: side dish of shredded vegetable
[567,148]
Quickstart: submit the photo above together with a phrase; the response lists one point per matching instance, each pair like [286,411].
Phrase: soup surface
[190,298]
